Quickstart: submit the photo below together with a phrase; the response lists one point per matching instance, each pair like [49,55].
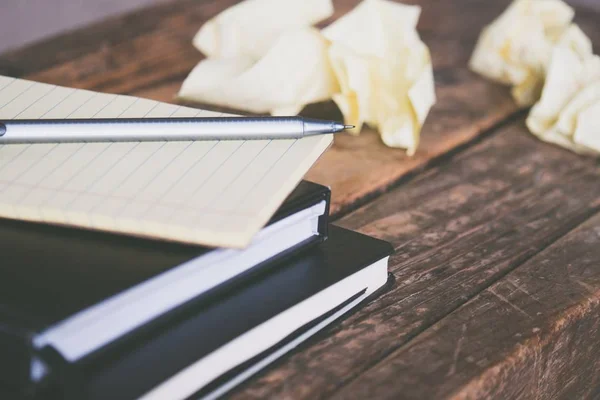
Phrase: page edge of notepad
[295,177]
[228,239]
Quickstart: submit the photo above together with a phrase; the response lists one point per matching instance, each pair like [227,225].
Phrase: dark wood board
[475,204]
[456,229]
[149,53]
[533,334]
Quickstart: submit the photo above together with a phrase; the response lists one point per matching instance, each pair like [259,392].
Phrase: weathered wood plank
[105,37]
[122,54]
[535,334]
[456,230]
[149,53]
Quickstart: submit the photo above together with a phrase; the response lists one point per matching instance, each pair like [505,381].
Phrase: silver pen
[161,129]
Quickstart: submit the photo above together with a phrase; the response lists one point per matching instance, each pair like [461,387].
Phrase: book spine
[27,373]
[324,219]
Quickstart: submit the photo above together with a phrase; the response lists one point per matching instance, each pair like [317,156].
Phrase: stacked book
[101,314]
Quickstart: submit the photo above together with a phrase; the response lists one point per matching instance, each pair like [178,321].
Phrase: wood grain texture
[149,53]
[456,230]
[533,334]
[467,222]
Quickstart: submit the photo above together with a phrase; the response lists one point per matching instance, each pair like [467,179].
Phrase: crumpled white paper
[251,27]
[534,46]
[517,47]
[384,70]
[264,57]
[572,86]
[293,72]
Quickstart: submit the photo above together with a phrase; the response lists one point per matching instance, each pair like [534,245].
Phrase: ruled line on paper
[12,91]
[72,92]
[4,81]
[123,199]
[36,101]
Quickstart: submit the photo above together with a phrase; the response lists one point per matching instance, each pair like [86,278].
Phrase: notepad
[213,193]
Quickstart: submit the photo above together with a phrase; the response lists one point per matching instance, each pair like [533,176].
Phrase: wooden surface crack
[505,300]
[432,164]
[489,224]
[452,370]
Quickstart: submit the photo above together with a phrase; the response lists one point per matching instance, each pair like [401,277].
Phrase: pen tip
[349,127]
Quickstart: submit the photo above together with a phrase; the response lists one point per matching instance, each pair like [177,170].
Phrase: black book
[71,292]
[210,345]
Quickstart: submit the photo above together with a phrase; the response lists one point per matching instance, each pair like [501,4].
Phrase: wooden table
[497,235]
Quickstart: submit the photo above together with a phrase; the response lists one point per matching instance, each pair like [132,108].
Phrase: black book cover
[48,273]
[129,368]
[251,363]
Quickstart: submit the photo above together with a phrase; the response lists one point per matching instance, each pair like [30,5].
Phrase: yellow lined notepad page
[214,193]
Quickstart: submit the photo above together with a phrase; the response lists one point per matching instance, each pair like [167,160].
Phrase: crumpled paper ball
[534,46]
[264,57]
[292,73]
[251,27]
[384,71]
[517,47]
[565,114]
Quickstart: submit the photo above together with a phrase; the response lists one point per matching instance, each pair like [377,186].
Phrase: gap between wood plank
[438,163]
[489,210]
[435,162]
[564,309]
[119,66]
[518,262]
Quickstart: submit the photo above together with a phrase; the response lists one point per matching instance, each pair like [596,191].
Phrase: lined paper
[214,193]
